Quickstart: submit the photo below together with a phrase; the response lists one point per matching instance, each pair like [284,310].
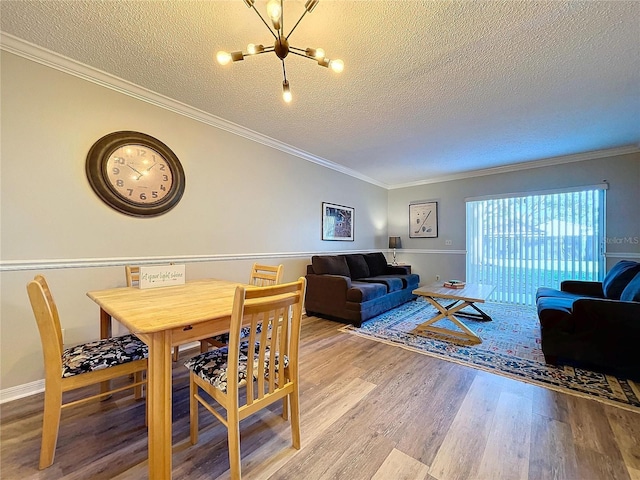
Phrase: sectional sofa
[356,287]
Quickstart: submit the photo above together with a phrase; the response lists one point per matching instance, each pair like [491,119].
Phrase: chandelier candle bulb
[336,65]
[254,49]
[286,92]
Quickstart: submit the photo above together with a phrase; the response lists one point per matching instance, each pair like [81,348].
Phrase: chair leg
[285,408]
[50,424]
[295,417]
[233,431]
[137,390]
[193,410]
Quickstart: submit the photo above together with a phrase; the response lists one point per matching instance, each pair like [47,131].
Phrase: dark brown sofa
[356,287]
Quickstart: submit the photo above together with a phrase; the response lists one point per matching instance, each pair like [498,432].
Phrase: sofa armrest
[589,289]
[327,288]
[607,316]
[397,270]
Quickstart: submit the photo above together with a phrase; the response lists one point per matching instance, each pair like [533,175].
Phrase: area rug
[510,347]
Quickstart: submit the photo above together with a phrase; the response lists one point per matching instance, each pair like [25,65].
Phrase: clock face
[135,174]
[139,174]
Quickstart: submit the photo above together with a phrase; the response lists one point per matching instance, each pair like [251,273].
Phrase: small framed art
[423,220]
[337,222]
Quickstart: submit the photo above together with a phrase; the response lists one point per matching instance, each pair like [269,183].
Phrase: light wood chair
[261,276]
[132,273]
[78,366]
[264,363]
[264,275]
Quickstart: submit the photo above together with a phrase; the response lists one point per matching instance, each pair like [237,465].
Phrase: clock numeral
[120,183]
[162,167]
[116,171]
[119,160]
[154,194]
[163,188]
[130,190]
[142,153]
[143,196]
[165,178]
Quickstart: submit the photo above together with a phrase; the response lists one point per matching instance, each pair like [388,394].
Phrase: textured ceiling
[430,88]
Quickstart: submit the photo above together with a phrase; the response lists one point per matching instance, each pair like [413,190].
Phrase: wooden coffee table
[462,297]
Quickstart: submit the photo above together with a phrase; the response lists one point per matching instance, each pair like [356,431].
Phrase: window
[522,241]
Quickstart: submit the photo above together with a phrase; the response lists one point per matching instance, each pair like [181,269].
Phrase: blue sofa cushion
[330,265]
[616,280]
[363,291]
[392,283]
[631,293]
[377,263]
[357,266]
[552,292]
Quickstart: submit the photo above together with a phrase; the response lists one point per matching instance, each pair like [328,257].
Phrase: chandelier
[281,45]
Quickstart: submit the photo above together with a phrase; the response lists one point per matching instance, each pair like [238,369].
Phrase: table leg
[159,398]
[448,312]
[105,332]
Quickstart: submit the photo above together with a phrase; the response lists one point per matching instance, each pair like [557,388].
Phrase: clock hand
[154,164]
[139,174]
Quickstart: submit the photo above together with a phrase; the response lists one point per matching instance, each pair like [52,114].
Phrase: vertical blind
[520,242]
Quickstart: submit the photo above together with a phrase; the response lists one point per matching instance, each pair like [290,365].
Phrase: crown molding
[67,65]
[515,167]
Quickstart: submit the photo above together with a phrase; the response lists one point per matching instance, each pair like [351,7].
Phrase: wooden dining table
[162,318]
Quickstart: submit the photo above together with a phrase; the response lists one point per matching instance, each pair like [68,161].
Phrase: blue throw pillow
[631,293]
[616,280]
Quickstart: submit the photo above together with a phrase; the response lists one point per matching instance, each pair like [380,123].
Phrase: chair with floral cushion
[264,363]
[78,366]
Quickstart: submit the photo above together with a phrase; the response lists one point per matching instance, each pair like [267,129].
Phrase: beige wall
[242,199]
[431,256]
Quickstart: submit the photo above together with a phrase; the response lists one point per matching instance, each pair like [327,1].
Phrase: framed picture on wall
[337,222]
[423,220]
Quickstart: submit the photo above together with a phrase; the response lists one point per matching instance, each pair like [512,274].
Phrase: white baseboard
[21,391]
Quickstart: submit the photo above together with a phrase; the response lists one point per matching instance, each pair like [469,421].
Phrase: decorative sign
[156,276]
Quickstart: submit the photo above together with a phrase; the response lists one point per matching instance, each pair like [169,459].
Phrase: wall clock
[135,174]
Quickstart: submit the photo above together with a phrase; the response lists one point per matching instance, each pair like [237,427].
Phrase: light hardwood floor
[369,411]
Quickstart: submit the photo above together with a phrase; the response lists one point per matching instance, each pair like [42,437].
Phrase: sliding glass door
[522,241]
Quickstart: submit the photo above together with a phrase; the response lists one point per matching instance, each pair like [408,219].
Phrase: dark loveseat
[595,325]
[356,287]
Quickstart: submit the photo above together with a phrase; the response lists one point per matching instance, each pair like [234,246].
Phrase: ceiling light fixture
[281,47]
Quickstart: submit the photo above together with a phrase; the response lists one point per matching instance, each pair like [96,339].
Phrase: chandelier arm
[284,71]
[263,21]
[294,27]
[300,54]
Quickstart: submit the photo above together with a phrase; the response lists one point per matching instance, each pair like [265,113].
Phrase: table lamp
[394,242]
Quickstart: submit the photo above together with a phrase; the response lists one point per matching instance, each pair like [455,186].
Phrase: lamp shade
[394,242]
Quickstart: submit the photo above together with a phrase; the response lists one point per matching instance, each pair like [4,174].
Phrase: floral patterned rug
[510,347]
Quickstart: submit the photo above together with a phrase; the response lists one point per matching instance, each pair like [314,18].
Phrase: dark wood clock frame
[96,170]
